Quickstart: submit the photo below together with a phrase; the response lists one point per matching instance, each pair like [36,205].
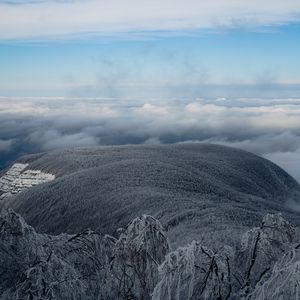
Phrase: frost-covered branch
[139,264]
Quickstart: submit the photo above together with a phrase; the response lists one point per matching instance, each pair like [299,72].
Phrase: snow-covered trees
[36,266]
[139,264]
[284,282]
[194,272]
[260,249]
[136,256]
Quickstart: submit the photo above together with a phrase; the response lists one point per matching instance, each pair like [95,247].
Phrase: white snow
[18,178]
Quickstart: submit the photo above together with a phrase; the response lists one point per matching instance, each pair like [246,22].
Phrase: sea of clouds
[267,127]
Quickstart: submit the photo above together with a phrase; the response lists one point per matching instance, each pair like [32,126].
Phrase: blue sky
[217,71]
[257,54]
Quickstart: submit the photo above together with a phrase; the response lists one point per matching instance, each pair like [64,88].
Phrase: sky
[110,48]
[94,72]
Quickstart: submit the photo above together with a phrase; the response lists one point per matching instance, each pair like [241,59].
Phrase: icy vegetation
[18,178]
[148,223]
[139,264]
[185,186]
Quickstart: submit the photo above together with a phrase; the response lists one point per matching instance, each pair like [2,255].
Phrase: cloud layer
[270,128]
[44,19]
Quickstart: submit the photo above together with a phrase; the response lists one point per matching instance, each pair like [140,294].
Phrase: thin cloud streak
[46,19]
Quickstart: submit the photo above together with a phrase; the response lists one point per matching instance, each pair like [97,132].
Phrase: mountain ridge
[187,187]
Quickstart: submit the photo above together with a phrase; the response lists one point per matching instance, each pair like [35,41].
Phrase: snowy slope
[205,192]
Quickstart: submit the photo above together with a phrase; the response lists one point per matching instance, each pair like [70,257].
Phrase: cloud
[54,139]
[270,128]
[6,145]
[282,148]
[289,160]
[46,19]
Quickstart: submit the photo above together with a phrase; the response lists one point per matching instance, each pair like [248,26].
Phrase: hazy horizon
[31,125]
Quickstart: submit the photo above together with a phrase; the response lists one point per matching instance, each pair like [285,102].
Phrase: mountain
[203,192]
[188,221]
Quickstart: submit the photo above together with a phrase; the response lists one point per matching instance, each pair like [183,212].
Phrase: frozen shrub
[283,283]
[260,249]
[140,264]
[194,272]
[137,254]
[29,268]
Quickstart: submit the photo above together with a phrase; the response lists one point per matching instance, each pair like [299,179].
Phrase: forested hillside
[199,192]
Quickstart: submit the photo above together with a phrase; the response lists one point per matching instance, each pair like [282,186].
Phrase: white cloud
[43,19]
[268,127]
[6,145]
[53,139]
[289,161]
[151,109]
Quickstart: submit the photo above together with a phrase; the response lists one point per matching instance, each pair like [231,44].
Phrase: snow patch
[17,179]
